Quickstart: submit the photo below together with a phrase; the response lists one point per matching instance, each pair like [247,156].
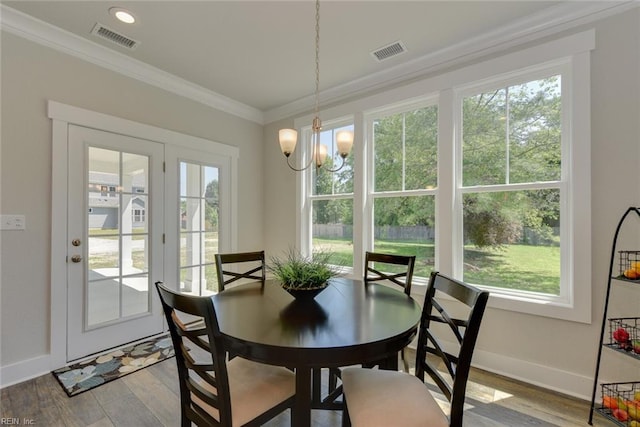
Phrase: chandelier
[288,137]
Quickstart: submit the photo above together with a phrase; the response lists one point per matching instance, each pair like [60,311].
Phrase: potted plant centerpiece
[301,276]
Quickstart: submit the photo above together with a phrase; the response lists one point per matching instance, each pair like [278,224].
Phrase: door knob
[75,242]
[76,258]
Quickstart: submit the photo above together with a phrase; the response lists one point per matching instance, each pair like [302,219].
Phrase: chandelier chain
[319,153]
[317,104]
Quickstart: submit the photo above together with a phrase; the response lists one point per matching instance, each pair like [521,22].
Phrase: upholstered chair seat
[403,399]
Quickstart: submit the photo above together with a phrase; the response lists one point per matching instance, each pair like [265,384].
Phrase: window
[332,203]
[404,150]
[482,173]
[512,187]
[138,215]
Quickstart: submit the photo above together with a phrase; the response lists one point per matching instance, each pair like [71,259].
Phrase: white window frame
[570,53]
[371,194]
[563,69]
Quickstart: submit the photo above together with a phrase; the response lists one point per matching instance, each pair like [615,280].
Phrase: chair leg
[346,421]
[315,392]
[405,363]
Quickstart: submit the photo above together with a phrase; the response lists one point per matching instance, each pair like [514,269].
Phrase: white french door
[114,248]
[199,217]
[120,223]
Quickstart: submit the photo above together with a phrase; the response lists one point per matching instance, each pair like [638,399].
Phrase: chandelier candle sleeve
[344,140]
[288,139]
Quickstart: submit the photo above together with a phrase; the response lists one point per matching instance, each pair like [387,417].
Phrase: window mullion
[507,134]
[404,150]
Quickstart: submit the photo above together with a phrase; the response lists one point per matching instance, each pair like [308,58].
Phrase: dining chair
[379,267]
[253,262]
[375,397]
[387,268]
[375,266]
[214,391]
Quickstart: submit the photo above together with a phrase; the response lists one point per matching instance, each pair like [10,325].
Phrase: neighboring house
[104,201]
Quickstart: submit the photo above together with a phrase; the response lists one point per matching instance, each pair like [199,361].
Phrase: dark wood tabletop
[347,323]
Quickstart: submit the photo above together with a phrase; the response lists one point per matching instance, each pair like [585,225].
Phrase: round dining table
[350,322]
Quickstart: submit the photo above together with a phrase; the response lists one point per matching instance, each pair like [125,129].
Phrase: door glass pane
[117,222]
[139,253]
[210,247]
[104,260]
[190,180]
[135,173]
[135,295]
[103,299]
[199,215]
[189,249]
[104,180]
[138,209]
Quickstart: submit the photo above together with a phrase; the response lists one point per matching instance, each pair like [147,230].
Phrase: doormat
[94,372]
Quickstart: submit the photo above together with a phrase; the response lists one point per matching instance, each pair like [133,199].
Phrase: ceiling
[261,53]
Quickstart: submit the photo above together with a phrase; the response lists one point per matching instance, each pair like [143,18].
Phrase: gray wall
[31,75]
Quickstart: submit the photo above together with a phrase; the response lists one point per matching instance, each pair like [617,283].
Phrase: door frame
[63,115]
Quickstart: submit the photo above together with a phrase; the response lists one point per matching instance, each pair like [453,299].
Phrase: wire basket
[629,265]
[621,403]
[624,335]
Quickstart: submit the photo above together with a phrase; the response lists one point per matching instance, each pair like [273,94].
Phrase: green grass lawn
[532,268]
[524,267]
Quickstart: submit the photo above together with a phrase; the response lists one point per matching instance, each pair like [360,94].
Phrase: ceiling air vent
[389,51]
[114,37]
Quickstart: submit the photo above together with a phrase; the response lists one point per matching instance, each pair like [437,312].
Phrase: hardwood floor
[150,397]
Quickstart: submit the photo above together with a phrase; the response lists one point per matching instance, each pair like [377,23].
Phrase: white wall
[32,74]
[555,354]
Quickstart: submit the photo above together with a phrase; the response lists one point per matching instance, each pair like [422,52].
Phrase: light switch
[12,222]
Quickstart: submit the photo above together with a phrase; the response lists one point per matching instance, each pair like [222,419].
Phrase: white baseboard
[551,378]
[547,377]
[24,370]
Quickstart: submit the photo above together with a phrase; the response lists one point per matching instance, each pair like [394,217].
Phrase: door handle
[76,258]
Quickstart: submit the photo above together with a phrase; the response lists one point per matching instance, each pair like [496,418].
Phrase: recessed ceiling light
[122,15]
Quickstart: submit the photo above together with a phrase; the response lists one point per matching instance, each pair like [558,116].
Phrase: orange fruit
[610,402]
[632,274]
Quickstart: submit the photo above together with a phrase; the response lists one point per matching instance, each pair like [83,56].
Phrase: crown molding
[548,22]
[35,30]
[553,20]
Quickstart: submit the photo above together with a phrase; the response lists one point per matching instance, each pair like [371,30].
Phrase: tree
[212,200]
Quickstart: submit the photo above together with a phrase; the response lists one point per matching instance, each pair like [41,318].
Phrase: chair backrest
[450,369]
[200,357]
[255,271]
[383,267]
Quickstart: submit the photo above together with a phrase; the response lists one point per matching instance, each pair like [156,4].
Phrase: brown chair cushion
[254,388]
[402,400]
